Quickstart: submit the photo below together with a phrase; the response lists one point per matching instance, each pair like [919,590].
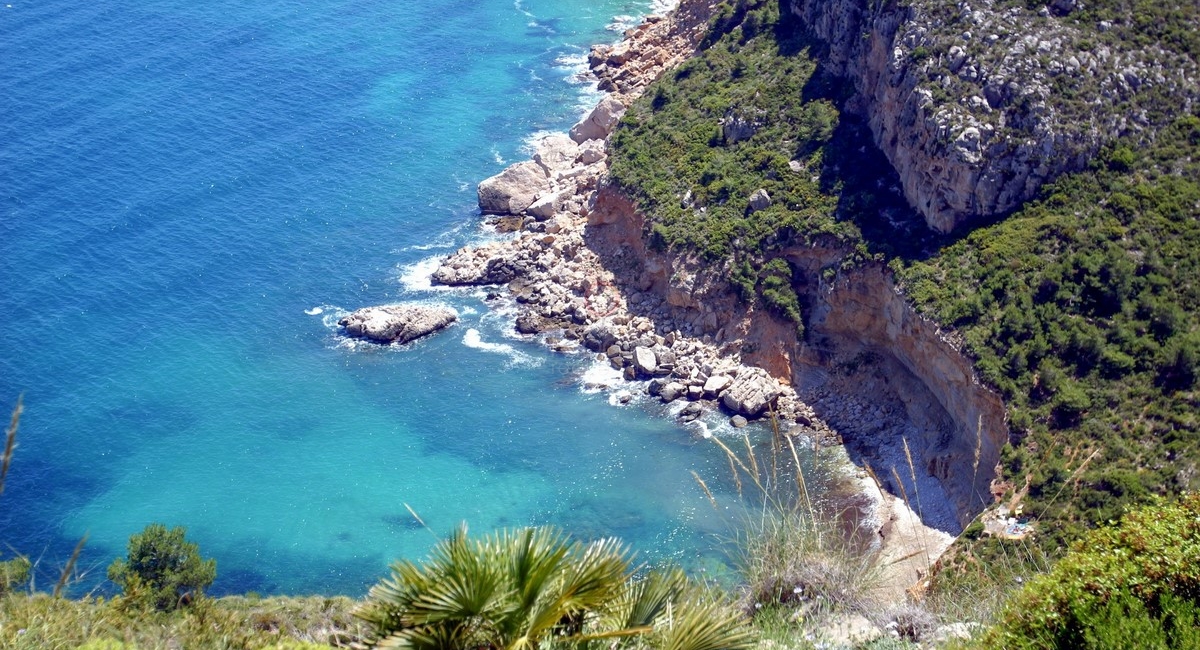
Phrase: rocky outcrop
[977,104]
[658,43]
[488,264]
[600,122]
[398,323]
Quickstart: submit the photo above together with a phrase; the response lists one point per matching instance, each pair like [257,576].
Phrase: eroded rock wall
[977,105]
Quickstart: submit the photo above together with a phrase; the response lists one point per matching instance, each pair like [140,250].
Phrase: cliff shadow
[890,424]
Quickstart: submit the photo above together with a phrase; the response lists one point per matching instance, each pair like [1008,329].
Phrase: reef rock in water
[399,323]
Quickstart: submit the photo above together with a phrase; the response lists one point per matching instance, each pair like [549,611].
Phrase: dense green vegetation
[1083,309]
[753,112]
[1136,585]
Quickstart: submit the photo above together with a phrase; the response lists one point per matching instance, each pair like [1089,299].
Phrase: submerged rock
[398,323]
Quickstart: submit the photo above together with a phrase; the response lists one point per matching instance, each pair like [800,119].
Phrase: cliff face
[958,424]
[978,104]
[863,308]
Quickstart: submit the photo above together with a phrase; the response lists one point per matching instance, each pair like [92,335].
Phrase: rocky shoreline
[577,268]
[569,293]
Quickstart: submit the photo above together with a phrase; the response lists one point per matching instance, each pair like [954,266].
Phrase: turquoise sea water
[184,185]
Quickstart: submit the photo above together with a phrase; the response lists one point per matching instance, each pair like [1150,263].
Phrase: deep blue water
[183,185]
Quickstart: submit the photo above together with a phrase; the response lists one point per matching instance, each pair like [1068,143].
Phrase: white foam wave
[622,22]
[315,311]
[663,6]
[474,340]
[701,428]
[599,377]
[571,60]
[418,275]
[497,157]
[529,144]
[621,397]
[331,316]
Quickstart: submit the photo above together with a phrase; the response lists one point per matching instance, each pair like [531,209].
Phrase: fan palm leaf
[695,624]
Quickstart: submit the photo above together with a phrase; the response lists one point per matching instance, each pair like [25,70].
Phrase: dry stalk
[875,479]
[420,521]
[775,444]
[10,440]
[750,454]
[737,479]
[1074,476]
[978,453]
[734,459]
[912,471]
[704,486]
[911,513]
[801,484]
[70,567]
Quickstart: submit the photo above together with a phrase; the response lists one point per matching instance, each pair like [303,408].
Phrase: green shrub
[162,568]
[1136,584]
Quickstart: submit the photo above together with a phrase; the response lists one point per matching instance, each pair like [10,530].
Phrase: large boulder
[644,360]
[672,391]
[717,384]
[399,323]
[556,154]
[600,337]
[759,200]
[514,189]
[545,207]
[752,393]
[600,122]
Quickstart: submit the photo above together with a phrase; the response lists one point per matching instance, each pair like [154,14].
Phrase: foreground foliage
[532,587]
[42,622]
[1132,585]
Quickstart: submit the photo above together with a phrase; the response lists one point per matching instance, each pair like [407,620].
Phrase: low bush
[1136,584]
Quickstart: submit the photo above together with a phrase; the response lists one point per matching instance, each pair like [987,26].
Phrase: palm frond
[699,625]
[648,598]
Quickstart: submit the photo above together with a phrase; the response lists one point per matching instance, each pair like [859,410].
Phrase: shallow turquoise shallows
[190,195]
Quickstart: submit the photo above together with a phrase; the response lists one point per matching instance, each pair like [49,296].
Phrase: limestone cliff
[978,103]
